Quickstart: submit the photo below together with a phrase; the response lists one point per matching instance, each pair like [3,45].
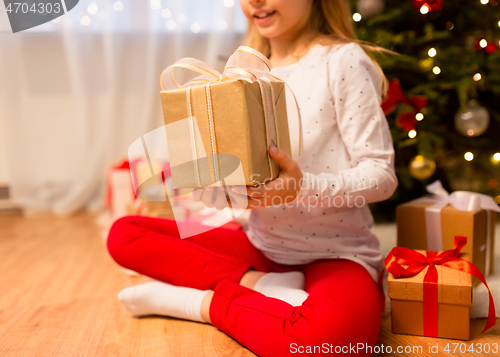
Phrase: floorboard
[58,291]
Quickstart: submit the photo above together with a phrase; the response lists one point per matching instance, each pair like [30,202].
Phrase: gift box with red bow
[431,292]
[432,222]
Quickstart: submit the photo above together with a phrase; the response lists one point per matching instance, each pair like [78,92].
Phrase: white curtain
[77,91]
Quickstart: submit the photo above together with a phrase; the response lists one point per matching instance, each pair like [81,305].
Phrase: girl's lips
[264,20]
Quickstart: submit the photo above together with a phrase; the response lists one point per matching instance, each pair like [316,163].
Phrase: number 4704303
[40,8]
[456,347]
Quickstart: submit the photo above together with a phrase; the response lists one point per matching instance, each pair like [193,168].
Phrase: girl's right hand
[215,196]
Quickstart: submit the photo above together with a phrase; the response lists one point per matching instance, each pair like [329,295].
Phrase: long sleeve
[340,155]
[354,83]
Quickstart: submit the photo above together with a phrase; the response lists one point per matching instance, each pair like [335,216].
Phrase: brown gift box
[240,130]
[161,209]
[454,300]
[412,233]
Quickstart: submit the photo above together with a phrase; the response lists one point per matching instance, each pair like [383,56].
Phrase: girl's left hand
[282,190]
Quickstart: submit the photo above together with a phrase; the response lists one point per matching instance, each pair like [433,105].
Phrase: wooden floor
[58,289]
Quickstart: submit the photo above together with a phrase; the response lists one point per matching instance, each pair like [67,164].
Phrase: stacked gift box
[445,247]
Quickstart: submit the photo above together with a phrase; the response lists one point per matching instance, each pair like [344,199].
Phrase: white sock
[158,298]
[288,287]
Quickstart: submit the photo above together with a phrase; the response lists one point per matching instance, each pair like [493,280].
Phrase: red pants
[342,313]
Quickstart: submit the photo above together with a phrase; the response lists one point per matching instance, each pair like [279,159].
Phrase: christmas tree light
[450,61]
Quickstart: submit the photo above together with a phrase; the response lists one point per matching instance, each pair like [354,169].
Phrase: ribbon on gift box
[244,64]
[462,200]
[416,263]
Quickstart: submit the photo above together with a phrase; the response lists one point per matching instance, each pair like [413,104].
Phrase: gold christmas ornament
[422,168]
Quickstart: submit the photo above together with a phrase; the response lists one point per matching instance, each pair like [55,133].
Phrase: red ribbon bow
[417,262]
[405,118]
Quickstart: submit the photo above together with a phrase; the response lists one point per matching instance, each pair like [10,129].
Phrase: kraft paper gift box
[158,209]
[217,121]
[454,300]
[418,229]
[191,213]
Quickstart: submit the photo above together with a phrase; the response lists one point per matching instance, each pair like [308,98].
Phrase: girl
[302,279]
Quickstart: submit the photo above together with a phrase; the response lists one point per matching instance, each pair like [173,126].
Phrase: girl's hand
[282,190]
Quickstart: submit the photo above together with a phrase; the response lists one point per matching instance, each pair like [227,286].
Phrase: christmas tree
[443,105]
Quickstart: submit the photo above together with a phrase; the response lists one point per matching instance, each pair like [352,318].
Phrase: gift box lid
[422,205]
[454,287]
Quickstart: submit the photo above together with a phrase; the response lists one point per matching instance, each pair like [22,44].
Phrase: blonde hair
[329,23]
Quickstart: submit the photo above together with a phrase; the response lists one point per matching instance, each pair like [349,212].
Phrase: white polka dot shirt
[348,161]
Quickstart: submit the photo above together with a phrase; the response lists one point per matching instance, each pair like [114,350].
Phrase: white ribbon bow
[462,200]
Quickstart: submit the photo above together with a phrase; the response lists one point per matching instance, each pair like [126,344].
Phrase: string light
[85,20]
[477,77]
[171,24]
[484,2]
[419,116]
[92,8]
[356,17]
[496,157]
[498,23]
[118,6]
[436,70]
[195,28]
[470,132]
[155,4]
[497,199]
[412,134]
[483,43]
[424,9]
[432,52]
[469,156]
[166,13]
